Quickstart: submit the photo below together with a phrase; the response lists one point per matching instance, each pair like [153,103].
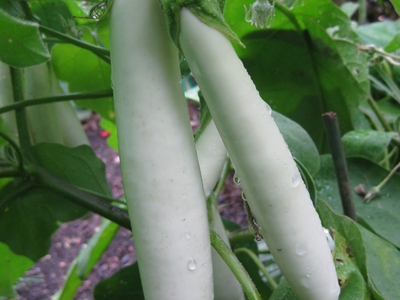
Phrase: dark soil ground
[46,277]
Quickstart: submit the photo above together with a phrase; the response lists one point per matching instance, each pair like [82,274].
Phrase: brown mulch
[46,277]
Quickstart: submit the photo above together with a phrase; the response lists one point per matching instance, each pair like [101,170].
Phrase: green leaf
[396,5]
[383,262]
[284,292]
[13,266]
[394,44]
[32,219]
[53,14]
[305,71]
[381,214]
[83,264]
[351,281]
[12,7]
[123,285]
[379,34]
[78,166]
[84,71]
[368,144]
[299,141]
[20,42]
[35,215]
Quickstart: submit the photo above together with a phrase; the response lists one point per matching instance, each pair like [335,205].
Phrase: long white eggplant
[268,174]
[43,121]
[212,155]
[160,170]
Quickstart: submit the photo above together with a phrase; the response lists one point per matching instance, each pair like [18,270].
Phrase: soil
[46,277]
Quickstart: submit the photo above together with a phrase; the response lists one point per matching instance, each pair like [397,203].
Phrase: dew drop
[295,180]
[285,165]
[183,195]
[192,264]
[244,196]
[236,179]
[301,249]
[187,235]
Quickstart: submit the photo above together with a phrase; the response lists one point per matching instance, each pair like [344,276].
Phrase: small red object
[104,134]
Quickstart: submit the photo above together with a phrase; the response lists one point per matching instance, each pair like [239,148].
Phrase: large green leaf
[284,292]
[378,260]
[379,34]
[368,144]
[20,42]
[123,285]
[13,266]
[351,281]
[35,215]
[396,5]
[381,214]
[299,141]
[383,263]
[310,70]
[84,71]
[78,166]
[30,221]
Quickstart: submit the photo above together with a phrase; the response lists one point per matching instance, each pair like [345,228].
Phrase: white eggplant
[212,156]
[268,174]
[160,171]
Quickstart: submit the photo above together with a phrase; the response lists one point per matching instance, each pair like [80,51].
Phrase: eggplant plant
[266,74]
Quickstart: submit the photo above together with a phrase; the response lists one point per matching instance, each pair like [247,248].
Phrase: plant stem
[283,9]
[384,181]
[362,11]
[101,52]
[88,200]
[221,182]
[259,264]
[11,172]
[59,98]
[236,267]
[339,162]
[378,113]
[20,114]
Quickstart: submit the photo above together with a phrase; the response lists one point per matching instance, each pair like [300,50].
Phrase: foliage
[313,59]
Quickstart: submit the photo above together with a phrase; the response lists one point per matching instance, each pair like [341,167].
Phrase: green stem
[378,113]
[236,267]
[27,10]
[11,172]
[389,81]
[44,100]
[362,11]
[339,161]
[14,194]
[283,9]
[270,280]
[221,182]
[387,178]
[101,52]
[239,236]
[20,114]
[88,200]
